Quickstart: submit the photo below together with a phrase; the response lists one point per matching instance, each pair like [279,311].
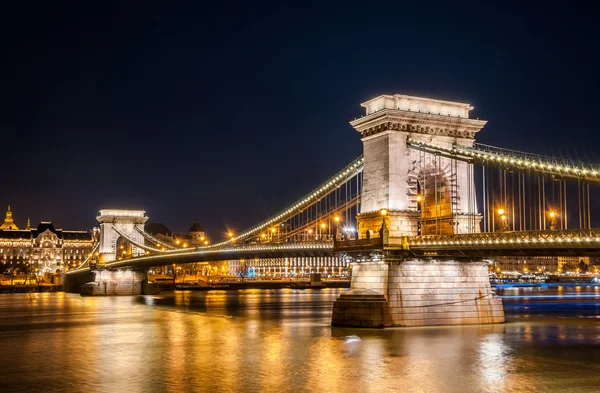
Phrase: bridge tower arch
[391,168]
[113,221]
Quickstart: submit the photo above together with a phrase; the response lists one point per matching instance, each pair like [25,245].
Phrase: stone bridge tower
[113,221]
[422,194]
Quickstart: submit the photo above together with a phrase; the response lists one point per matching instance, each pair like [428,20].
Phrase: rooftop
[417,104]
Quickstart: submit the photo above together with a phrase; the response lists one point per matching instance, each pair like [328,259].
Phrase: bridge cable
[136,243]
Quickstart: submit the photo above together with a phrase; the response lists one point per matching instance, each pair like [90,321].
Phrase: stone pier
[110,283]
[418,293]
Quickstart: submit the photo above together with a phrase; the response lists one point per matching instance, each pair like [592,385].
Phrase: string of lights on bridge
[515,160]
[330,184]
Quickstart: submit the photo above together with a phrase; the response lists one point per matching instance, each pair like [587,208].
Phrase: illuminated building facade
[546,264]
[44,248]
[289,267]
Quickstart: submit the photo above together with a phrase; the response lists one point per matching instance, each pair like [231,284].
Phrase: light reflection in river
[280,340]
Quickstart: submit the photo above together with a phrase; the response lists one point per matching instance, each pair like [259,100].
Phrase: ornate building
[44,248]
[9,223]
[547,264]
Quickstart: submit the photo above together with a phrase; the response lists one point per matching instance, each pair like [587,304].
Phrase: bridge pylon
[113,221]
[407,193]
[422,193]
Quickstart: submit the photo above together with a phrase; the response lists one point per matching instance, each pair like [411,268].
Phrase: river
[281,341]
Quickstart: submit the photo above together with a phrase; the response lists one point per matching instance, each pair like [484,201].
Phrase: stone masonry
[423,293]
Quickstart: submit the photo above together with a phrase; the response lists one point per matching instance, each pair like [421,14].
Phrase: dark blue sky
[229,111]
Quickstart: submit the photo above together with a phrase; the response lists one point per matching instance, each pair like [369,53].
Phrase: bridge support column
[110,283]
[418,292]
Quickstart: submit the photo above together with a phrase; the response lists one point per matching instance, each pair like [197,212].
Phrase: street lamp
[336,219]
[552,215]
[500,212]
[383,229]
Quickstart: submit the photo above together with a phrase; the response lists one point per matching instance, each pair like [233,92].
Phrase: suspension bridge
[415,215]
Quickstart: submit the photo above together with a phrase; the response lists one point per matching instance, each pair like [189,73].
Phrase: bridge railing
[576,238]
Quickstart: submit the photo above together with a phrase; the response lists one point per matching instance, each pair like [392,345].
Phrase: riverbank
[544,285]
[20,288]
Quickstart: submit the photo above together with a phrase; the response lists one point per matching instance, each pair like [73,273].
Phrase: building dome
[8,221]
[195,228]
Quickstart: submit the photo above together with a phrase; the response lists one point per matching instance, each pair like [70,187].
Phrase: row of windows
[22,250]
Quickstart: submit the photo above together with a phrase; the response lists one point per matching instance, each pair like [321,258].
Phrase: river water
[281,341]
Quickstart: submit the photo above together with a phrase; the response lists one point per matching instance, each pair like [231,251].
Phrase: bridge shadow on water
[250,303]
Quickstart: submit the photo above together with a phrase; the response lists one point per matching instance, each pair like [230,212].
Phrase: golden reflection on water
[281,341]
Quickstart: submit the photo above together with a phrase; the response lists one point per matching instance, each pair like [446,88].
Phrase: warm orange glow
[263,235]
[230,234]
[323,226]
[177,242]
[500,211]
[336,218]
[202,238]
[206,242]
[419,198]
[310,231]
[184,245]
[503,217]
[552,214]
[383,212]
[273,230]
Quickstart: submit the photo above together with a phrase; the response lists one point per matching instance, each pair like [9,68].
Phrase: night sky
[230,111]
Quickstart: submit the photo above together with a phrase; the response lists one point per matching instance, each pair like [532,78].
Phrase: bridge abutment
[110,283]
[418,292]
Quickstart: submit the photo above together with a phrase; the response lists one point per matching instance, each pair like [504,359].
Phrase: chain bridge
[416,216]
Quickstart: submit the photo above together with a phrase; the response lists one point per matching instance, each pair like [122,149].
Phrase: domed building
[9,223]
[45,248]
[196,234]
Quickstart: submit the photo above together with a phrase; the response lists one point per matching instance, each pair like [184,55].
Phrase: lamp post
[323,226]
[552,215]
[503,219]
[383,232]
[336,219]
[419,199]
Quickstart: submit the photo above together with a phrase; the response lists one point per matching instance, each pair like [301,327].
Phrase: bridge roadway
[313,249]
[577,242]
